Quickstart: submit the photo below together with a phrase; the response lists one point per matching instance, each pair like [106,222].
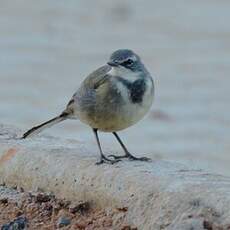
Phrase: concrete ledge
[158,195]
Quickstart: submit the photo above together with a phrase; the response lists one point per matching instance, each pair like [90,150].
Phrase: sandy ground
[39,210]
[48,47]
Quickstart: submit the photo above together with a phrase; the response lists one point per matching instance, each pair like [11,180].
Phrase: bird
[112,98]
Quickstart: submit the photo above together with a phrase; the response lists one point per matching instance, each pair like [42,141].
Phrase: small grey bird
[112,98]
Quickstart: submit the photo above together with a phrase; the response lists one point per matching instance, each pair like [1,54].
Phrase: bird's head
[125,60]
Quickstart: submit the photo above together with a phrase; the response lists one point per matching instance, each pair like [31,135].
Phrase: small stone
[81,207]
[3,200]
[123,209]
[18,224]
[42,197]
[63,221]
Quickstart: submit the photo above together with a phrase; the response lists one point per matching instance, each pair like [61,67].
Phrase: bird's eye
[128,62]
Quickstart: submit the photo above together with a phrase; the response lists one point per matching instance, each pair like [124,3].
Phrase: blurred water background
[47,47]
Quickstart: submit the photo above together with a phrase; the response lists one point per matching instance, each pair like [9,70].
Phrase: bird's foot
[107,160]
[117,157]
[131,157]
[140,158]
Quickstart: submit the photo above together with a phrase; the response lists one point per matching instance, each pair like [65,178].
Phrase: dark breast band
[136,89]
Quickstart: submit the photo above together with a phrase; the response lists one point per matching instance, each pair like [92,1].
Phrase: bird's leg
[127,153]
[103,158]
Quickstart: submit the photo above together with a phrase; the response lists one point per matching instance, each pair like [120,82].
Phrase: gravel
[21,210]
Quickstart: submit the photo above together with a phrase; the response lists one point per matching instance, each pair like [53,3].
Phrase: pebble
[81,207]
[63,221]
[42,197]
[3,200]
[18,224]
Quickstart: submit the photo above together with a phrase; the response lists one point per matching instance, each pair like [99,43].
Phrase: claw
[141,159]
[100,162]
[131,157]
[108,161]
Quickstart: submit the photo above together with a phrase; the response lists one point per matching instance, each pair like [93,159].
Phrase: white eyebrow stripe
[134,58]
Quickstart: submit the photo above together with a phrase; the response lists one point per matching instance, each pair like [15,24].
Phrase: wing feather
[97,78]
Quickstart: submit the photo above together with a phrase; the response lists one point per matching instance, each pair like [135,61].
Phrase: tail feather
[37,129]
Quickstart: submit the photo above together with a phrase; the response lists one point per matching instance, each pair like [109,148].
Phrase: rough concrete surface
[157,194]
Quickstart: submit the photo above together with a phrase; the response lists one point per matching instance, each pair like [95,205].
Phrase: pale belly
[129,116]
[117,120]
[113,116]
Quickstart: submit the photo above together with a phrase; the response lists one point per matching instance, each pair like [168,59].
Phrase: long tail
[37,129]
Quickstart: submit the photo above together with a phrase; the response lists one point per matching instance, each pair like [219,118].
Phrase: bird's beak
[111,63]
